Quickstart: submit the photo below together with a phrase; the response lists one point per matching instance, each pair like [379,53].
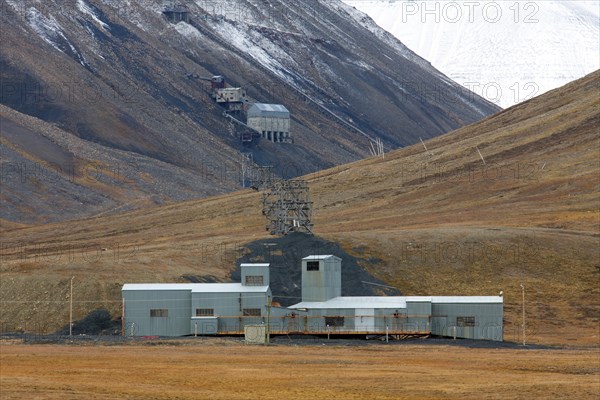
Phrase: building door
[364,320]
[439,326]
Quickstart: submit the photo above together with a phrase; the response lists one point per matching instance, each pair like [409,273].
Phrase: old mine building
[178,309]
[226,308]
[271,120]
[175,12]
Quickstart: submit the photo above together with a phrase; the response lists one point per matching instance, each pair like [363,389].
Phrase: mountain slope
[120,76]
[518,49]
[436,222]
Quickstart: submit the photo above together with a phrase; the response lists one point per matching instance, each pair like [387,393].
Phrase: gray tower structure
[321,278]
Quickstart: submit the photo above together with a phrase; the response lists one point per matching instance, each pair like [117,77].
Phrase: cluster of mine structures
[266,121]
[286,203]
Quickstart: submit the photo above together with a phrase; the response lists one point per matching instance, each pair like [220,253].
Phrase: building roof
[255,265]
[467,299]
[268,110]
[230,89]
[196,287]
[392,301]
[355,302]
[320,257]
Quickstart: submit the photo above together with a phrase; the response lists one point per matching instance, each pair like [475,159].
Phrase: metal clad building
[176,13]
[471,317]
[226,308]
[230,95]
[178,309]
[255,274]
[321,278]
[157,309]
[271,120]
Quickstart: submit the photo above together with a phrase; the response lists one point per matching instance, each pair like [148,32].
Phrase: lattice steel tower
[287,206]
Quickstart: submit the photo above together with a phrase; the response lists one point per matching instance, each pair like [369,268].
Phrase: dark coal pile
[285,254]
[98,322]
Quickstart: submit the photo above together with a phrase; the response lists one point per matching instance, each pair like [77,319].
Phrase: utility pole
[425,147]
[246,165]
[243,172]
[523,291]
[480,155]
[71,309]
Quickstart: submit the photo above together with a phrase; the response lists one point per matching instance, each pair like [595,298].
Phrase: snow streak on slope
[255,45]
[506,51]
[345,80]
[86,9]
[52,33]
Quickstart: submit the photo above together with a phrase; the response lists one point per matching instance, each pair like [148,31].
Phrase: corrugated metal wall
[229,308]
[138,304]
[204,325]
[181,308]
[324,284]
[466,320]
[487,320]
[255,270]
[270,124]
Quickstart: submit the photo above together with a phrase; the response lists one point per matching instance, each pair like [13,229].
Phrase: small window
[252,280]
[159,312]
[465,321]
[205,312]
[312,265]
[251,312]
[334,321]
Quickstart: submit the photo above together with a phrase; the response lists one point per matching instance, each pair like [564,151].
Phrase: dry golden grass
[290,372]
[542,214]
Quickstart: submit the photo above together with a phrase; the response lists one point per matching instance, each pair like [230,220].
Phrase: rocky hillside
[104,110]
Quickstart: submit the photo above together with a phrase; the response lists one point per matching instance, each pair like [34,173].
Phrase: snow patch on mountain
[135,12]
[86,9]
[52,33]
[46,27]
[254,45]
[506,52]
[188,30]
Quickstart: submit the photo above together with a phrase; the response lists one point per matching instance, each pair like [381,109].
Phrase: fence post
[386,334]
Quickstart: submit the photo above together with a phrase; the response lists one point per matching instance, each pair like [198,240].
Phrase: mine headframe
[287,207]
